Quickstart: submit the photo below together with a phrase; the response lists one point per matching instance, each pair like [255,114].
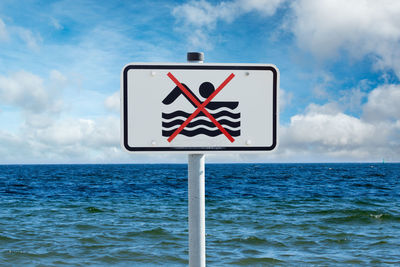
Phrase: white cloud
[58,79]
[112,102]
[352,99]
[325,132]
[65,133]
[3,31]
[265,7]
[328,130]
[199,13]
[383,104]
[204,14]
[46,134]
[29,93]
[32,40]
[329,108]
[285,98]
[39,101]
[73,140]
[25,90]
[359,27]
[200,17]
[11,147]
[56,24]
[321,90]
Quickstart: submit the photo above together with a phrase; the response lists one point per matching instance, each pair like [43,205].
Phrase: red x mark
[201,107]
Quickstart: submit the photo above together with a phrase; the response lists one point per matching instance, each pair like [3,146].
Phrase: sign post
[196,203]
[196,198]
[194,108]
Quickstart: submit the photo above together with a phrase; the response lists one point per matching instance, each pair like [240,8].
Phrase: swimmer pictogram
[221,116]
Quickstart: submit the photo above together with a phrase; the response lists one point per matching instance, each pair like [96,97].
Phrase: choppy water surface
[256,214]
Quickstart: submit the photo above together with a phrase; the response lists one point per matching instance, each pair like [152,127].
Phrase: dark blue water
[256,215]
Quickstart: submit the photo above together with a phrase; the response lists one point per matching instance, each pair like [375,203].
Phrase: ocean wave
[256,261]
[365,217]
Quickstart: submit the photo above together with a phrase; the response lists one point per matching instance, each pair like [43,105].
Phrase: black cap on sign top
[195,56]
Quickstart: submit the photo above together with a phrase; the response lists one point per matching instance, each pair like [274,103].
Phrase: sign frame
[196,66]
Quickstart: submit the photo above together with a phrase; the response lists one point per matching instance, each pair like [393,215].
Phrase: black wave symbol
[208,123]
[201,131]
[178,113]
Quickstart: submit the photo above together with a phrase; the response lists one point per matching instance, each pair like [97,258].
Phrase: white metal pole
[196,198]
[197,222]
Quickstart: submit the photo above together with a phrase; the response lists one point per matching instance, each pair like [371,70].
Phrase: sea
[256,215]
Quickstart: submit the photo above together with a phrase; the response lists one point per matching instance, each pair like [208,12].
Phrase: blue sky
[60,64]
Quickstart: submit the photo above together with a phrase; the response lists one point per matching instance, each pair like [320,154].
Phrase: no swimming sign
[199,107]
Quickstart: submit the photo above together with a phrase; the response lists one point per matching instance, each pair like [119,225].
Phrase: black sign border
[199,67]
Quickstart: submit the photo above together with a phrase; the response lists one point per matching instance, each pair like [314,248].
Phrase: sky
[61,61]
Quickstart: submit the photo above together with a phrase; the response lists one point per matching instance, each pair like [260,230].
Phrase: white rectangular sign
[199,107]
